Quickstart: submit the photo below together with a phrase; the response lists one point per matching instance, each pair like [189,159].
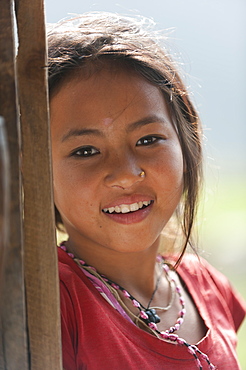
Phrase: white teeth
[117,209]
[126,208]
[134,207]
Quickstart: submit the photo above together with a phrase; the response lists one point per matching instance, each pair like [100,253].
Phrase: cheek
[169,179]
[170,165]
[73,189]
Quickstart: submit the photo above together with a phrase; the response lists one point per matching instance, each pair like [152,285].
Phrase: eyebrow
[145,121]
[81,132]
[133,126]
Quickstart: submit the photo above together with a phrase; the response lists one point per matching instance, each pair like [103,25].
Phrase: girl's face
[106,130]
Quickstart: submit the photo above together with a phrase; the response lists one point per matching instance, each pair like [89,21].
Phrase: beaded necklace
[148,314]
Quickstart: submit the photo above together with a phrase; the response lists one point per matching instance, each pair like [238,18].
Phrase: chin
[129,246]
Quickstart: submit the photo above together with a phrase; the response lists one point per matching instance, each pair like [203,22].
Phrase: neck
[137,272]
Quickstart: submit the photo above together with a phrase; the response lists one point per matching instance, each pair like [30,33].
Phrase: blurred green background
[222,225]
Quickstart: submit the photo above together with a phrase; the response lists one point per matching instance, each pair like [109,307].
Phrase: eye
[148,140]
[85,152]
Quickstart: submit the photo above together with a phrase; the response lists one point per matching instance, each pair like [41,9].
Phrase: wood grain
[13,338]
[4,202]
[41,274]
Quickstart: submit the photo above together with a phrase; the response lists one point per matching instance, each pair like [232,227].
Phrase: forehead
[110,91]
[112,102]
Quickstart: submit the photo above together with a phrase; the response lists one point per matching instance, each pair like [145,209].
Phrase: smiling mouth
[126,208]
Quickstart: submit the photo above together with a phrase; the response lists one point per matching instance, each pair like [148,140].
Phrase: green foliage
[222,228]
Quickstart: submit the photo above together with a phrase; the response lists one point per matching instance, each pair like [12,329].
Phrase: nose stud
[142,174]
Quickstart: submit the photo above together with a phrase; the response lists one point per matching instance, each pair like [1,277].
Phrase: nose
[124,172]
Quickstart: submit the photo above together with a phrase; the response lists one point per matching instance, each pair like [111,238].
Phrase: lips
[126,208]
[129,212]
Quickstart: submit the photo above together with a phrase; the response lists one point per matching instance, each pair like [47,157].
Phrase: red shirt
[96,336]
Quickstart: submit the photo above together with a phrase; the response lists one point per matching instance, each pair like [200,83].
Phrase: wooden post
[38,322]
[13,339]
[4,202]
[4,222]
[41,267]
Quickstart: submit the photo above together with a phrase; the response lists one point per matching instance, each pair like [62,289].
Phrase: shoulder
[73,281]
[197,266]
[198,269]
[199,274]
[75,292]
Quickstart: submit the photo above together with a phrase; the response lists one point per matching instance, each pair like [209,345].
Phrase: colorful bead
[191,350]
[198,362]
[135,303]
[180,341]
[180,321]
[172,329]
[159,259]
[143,315]
[173,337]
[166,268]
[71,255]
[126,294]
[164,335]
[152,325]
[178,289]
[205,357]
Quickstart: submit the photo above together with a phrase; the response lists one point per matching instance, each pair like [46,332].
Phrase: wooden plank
[4,217]
[14,354]
[41,273]
[4,201]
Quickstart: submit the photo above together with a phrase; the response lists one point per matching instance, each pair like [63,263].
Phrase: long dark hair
[92,38]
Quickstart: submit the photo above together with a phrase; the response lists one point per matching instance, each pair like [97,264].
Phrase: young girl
[126,146]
